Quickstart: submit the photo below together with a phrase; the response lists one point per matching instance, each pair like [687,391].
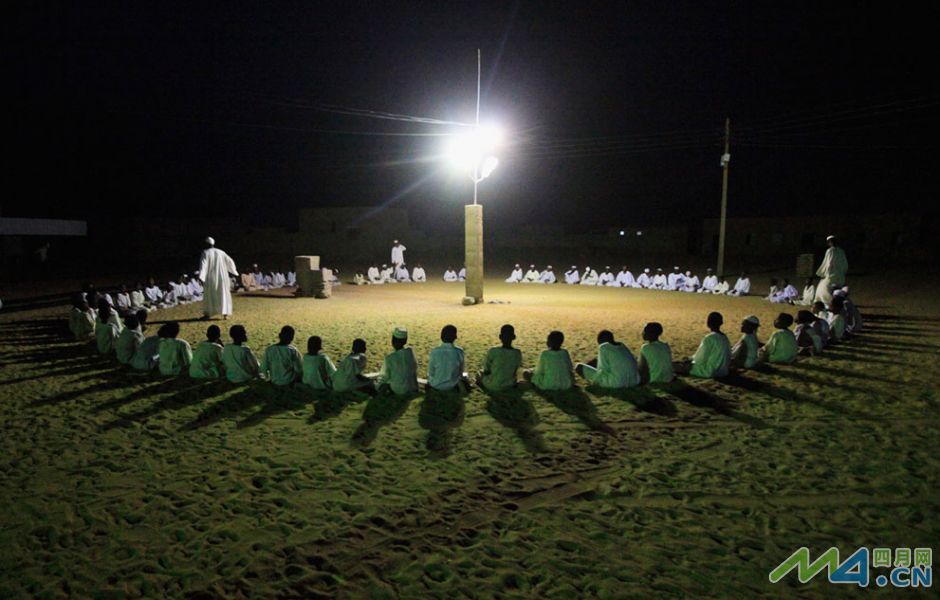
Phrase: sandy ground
[124,485]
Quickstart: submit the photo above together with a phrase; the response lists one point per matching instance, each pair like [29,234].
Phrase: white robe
[515,276]
[643,281]
[809,293]
[742,287]
[675,281]
[547,277]
[590,277]
[374,276]
[398,254]
[462,274]
[401,274]
[531,276]
[572,277]
[418,275]
[625,279]
[606,278]
[722,288]
[709,284]
[659,282]
[691,284]
[291,278]
[388,275]
[450,275]
[214,267]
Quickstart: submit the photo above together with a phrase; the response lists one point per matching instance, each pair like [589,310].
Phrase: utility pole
[725,162]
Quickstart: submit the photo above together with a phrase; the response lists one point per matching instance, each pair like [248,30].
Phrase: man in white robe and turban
[214,268]
[516,275]
[832,271]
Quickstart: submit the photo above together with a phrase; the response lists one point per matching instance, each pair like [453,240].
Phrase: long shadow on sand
[704,399]
[381,410]
[575,402]
[201,391]
[643,398]
[117,378]
[806,365]
[441,413]
[512,410]
[282,399]
[753,385]
[252,394]
[327,405]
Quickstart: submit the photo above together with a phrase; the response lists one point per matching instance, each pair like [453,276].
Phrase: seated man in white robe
[195,289]
[709,283]
[153,293]
[182,290]
[401,274]
[122,301]
[388,274]
[723,286]
[590,277]
[548,275]
[572,277]
[269,281]
[774,290]
[606,278]
[450,275]
[659,280]
[462,273]
[532,275]
[644,281]
[279,279]
[138,298]
[625,278]
[742,287]
[675,280]
[809,293]
[691,282]
[788,294]
[418,275]
[516,275]
[168,296]
[360,278]
[373,275]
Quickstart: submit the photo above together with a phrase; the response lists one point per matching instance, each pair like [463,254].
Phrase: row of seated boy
[615,365]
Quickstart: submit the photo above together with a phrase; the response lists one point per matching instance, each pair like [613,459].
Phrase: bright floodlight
[472,152]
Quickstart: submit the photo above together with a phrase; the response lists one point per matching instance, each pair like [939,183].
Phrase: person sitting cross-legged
[712,359]
[349,376]
[614,367]
[446,364]
[554,371]
[318,368]
[239,361]
[207,357]
[744,354]
[501,363]
[399,374]
[282,363]
[781,347]
[655,364]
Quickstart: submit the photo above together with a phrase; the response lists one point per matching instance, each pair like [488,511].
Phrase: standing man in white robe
[547,276]
[214,268]
[644,281]
[532,275]
[572,277]
[625,278]
[516,275]
[832,271]
[418,275]
[709,283]
[398,253]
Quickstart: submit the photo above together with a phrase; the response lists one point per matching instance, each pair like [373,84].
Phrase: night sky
[614,110]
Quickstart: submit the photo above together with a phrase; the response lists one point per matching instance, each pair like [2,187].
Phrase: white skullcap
[752,319]
[830,237]
[210,241]
[839,293]
[676,267]
[688,272]
[646,270]
[531,266]
[549,266]
[400,333]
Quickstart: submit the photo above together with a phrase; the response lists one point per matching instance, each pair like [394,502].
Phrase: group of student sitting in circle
[614,367]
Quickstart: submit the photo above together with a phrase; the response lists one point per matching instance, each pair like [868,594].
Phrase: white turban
[210,241]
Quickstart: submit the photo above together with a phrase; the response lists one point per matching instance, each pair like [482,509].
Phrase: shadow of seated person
[440,414]
[511,409]
[575,402]
[328,404]
[381,410]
